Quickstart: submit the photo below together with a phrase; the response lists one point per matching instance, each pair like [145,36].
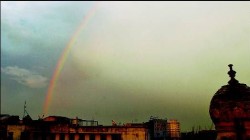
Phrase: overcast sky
[131,60]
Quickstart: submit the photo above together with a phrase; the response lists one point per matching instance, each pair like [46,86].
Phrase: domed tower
[230,110]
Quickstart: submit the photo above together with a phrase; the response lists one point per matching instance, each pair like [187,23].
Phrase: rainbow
[63,57]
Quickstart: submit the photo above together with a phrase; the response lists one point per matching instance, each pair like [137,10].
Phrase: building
[63,128]
[230,110]
[199,135]
[157,128]
[173,130]
[163,129]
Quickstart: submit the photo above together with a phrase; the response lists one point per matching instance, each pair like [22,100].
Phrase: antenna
[24,110]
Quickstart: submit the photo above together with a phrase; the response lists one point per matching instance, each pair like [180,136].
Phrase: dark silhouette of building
[230,110]
[199,135]
[63,128]
[163,129]
[158,128]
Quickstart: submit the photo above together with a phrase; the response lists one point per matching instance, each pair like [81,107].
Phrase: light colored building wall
[173,129]
[16,130]
[134,134]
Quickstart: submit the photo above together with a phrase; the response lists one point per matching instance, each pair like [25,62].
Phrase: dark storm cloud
[25,77]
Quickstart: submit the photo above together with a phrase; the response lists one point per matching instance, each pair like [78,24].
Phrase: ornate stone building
[230,110]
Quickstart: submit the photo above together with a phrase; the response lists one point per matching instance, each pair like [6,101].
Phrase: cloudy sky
[129,60]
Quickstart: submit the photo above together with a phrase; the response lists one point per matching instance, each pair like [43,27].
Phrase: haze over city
[122,61]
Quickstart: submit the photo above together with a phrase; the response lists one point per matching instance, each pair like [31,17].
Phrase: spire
[231,74]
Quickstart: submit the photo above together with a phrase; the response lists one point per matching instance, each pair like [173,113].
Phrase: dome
[230,101]
[230,109]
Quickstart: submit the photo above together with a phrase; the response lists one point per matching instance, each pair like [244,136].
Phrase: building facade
[163,129]
[173,130]
[62,128]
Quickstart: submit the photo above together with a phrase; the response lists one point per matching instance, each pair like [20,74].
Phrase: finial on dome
[231,74]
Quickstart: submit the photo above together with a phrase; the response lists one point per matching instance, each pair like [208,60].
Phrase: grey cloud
[26,77]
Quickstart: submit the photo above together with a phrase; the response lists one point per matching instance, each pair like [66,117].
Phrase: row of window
[51,136]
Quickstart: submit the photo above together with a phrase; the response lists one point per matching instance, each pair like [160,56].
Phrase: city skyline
[123,61]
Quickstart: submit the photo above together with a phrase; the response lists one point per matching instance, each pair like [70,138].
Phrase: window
[116,137]
[92,137]
[81,137]
[24,136]
[226,138]
[103,137]
[62,136]
[71,136]
[10,135]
